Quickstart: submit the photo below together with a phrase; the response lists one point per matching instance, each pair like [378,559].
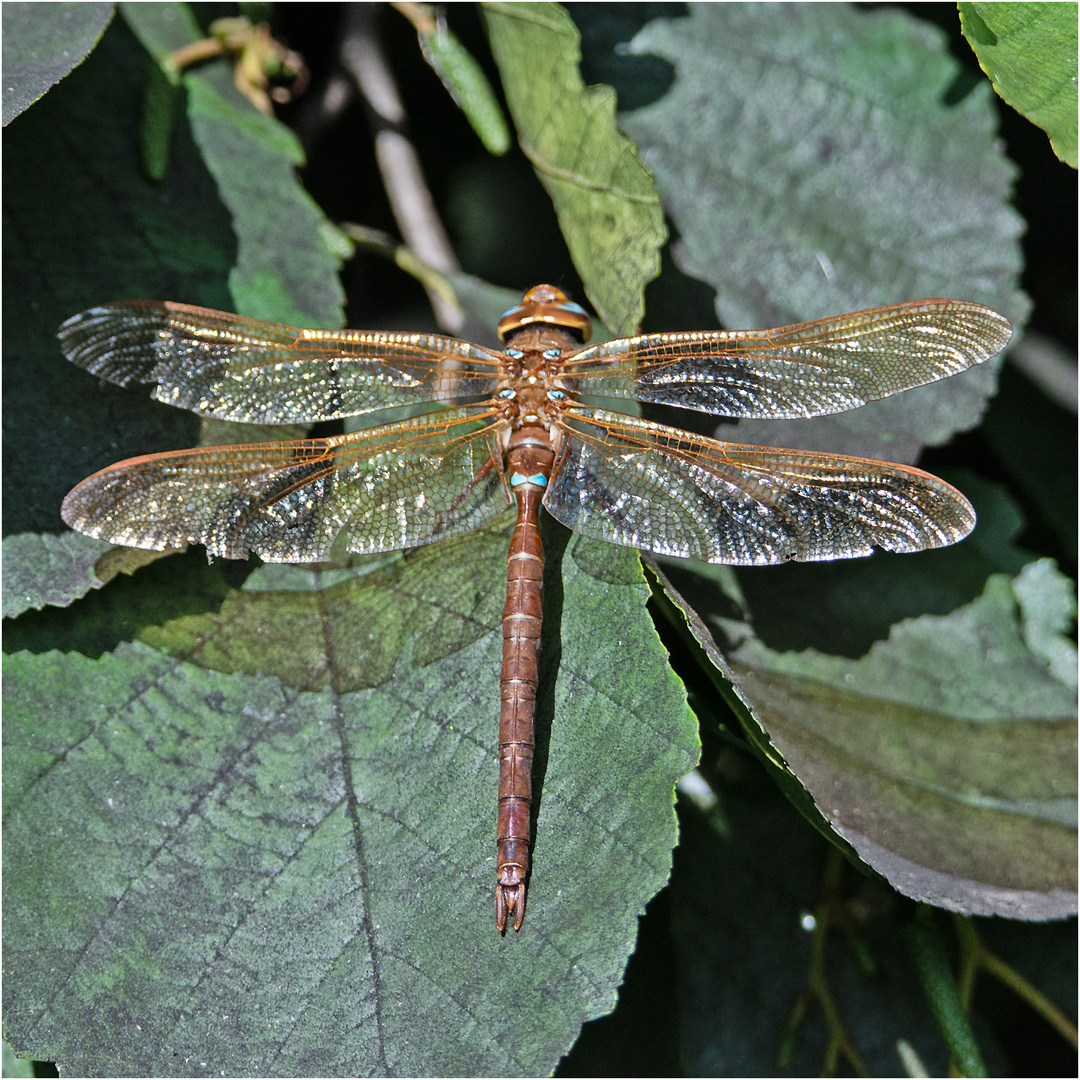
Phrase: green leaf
[607,206]
[945,755]
[40,569]
[231,844]
[467,84]
[1030,53]
[812,166]
[284,264]
[42,43]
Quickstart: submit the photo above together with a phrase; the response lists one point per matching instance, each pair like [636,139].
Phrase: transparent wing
[642,485]
[397,486]
[809,369]
[223,365]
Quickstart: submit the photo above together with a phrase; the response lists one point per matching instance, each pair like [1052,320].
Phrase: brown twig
[403,178]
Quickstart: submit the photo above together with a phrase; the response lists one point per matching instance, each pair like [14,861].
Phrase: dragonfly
[517,426]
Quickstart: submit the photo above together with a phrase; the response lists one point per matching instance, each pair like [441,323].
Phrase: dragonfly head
[548,305]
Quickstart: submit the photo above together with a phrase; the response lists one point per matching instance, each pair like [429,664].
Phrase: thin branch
[1049,366]
[410,198]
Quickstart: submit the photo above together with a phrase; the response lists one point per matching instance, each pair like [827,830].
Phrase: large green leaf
[464,79]
[1029,52]
[607,205]
[945,755]
[812,163]
[233,845]
[961,787]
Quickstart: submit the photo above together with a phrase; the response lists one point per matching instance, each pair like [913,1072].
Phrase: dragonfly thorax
[531,389]
[530,403]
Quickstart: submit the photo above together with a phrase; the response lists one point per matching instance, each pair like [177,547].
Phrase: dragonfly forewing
[810,369]
[232,368]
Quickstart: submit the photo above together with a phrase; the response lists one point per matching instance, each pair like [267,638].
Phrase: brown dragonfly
[508,427]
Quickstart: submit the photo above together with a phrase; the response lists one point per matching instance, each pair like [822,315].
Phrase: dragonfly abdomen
[528,467]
